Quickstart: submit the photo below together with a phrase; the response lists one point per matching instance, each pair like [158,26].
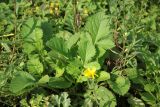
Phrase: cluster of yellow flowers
[54,8]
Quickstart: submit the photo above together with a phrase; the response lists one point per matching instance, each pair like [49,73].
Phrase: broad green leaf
[21,81]
[59,71]
[93,65]
[73,68]
[148,98]
[120,86]
[69,17]
[28,47]
[44,79]
[98,27]
[120,80]
[57,56]
[47,30]
[157,79]
[64,34]
[29,26]
[86,50]
[149,87]
[60,82]
[131,73]
[100,52]
[105,97]
[32,35]
[103,75]
[135,102]
[82,79]
[139,80]
[72,40]
[106,43]
[58,45]
[35,66]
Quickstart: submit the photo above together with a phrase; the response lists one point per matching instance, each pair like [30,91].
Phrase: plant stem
[15,30]
[76,15]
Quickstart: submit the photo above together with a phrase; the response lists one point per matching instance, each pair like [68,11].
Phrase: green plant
[79,53]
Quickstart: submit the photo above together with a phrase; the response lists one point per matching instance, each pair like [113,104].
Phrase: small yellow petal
[37,8]
[90,73]
[56,8]
[51,11]
[85,11]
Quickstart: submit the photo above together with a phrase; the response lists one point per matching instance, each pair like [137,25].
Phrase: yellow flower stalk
[90,72]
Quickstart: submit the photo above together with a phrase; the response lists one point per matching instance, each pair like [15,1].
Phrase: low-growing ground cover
[80,53]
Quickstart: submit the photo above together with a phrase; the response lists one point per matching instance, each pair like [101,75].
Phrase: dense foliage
[80,53]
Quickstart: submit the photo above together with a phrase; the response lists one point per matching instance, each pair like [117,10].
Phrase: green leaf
[86,50]
[149,87]
[57,56]
[82,79]
[103,76]
[106,43]
[148,98]
[58,45]
[29,26]
[120,80]
[64,34]
[60,100]
[135,102]
[72,40]
[35,66]
[59,71]
[157,79]
[32,35]
[47,30]
[131,73]
[44,79]
[66,102]
[105,97]
[120,86]
[60,82]
[93,65]
[21,81]
[28,47]
[98,27]
[73,68]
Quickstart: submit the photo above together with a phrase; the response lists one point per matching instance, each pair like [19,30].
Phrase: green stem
[75,15]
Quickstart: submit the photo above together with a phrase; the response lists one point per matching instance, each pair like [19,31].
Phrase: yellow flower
[85,11]
[37,8]
[90,72]
[51,11]
[51,5]
[56,8]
